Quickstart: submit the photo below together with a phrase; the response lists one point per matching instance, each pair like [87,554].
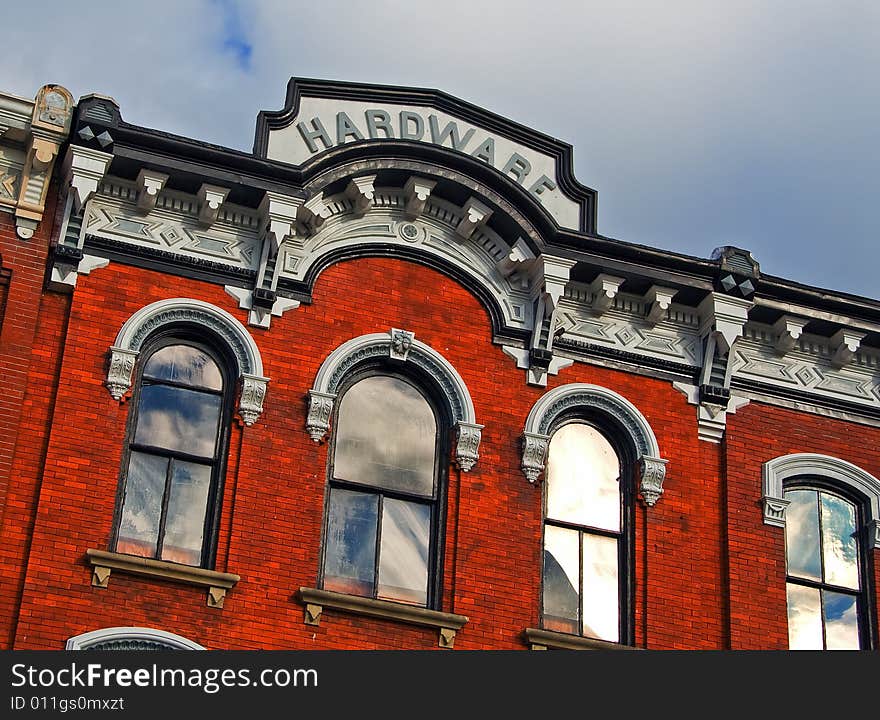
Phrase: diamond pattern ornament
[805,375]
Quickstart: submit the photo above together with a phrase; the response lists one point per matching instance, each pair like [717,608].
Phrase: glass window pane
[582,478]
[841,621]
[601,597]
[804,617]
[350,555]
[561,579]
[840,550]
[802,534]
[178,419]
[184,364]
[403,551]
[185,523]
[386,436]
[142,505]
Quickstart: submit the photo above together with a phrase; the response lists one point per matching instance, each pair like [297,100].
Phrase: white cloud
[700,122]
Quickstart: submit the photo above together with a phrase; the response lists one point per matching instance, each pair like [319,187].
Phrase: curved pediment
[320,117]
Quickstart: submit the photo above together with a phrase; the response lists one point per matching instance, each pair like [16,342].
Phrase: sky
[701,123]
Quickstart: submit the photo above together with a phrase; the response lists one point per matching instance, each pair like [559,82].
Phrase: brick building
[381,383]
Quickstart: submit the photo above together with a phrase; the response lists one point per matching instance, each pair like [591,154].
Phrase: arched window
[826,573]
[385,490]
[173,460]
[587,505]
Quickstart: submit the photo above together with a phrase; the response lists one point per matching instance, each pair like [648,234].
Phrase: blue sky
[701,123]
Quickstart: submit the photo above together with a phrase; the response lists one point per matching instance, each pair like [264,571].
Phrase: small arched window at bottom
[584,535]
[825,571]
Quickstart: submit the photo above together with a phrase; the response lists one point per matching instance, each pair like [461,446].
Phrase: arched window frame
[637,449]
[210,319]
[775,473]
[141,638]
[861,488]
[166,336]
[424,386]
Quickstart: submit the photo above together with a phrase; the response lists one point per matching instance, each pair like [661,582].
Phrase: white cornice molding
[361,192]
[844,344]
[658,300]
[603,290]
[278,213]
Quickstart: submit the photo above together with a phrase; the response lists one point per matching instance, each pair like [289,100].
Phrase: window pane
[802,534]
[804,617]
[350,556]
[184,364]
[601,597]
[178,419]
[185,524]
[582,478]
[840,550]
[386,436]
[142,505]
[841,621]
[561,579]
[403,553]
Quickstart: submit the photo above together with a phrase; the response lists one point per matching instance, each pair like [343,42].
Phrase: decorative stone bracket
[261,310]
[475,215]
[119,377]
[652,470]
[417,191]
[104,563]
[315,601]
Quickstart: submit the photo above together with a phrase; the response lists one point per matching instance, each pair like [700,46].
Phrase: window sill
[316,600]
[548,640]
[104,562]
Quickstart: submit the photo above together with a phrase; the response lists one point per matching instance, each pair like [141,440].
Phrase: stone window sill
[548,640]
[315,601]
[104,562]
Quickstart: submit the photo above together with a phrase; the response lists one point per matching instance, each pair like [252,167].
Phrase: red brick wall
[756,434]
[31,341]
[273,497]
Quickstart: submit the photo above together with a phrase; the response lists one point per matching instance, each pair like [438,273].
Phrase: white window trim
[402,347]
[776,472]
[619,410]
[85,641]
[136,330]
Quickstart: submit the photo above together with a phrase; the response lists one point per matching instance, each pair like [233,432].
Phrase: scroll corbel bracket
[658,301]
[210,199]
[149,185]
[417,191]
[361,192]
[253,393]
[467,446]
[534,455]
[653,472]
[845,343]
[788,331]
[320,412]
[475,214]
[604,289]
